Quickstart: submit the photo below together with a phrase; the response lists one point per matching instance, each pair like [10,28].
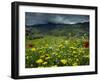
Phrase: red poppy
[86,44]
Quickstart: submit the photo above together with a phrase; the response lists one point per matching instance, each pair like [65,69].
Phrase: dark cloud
[43,18]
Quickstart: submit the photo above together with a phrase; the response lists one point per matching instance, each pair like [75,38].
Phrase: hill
[57,29]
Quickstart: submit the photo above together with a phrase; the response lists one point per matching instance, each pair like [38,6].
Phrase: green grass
[52,51]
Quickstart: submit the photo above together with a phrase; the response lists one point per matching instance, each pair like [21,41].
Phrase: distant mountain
[50,24]
[54,28]
[47,25]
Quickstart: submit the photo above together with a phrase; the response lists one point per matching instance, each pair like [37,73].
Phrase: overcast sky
[43,18]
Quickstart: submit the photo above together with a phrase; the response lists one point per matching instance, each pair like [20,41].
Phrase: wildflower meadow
[50,42]
[57,51]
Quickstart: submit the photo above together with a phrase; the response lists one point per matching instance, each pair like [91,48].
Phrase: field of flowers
[53,51]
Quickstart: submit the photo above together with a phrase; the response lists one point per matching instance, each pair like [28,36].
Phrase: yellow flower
[60,45]
[33,49]
[66,42]
[47,58]
[42,56]
[77,59]
[64,61]
[74,52]
[72,48]
[47,55]
[44,63]
[75,64]
[39,61]
[81,50]
[40,51]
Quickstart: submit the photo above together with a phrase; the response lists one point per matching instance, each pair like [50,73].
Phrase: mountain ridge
[50,23]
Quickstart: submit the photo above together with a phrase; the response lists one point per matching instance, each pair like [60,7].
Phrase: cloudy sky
[43,18]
